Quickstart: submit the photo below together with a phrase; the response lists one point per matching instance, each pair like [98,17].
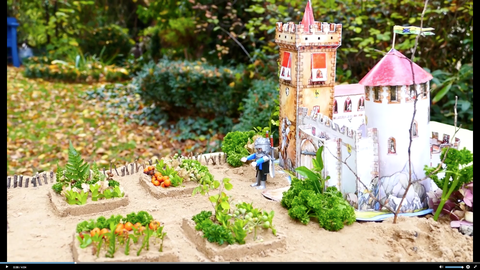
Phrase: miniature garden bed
[266,241]
[136,237]
[152,255]
[184,189]
[62,208]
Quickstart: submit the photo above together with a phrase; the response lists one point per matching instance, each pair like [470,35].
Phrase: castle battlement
[320,34]
[326,125]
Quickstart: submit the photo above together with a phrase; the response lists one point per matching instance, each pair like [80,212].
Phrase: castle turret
[308,52]
[391,88]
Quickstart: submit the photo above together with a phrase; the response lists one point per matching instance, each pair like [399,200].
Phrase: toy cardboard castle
[365,128]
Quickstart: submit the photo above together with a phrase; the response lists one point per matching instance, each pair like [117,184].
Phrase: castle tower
[389,104]
[308,52]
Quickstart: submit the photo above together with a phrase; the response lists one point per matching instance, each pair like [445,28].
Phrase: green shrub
[114,38]
[260,107]
[233,145]
[198,98]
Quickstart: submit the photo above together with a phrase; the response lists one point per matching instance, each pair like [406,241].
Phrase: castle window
[335,106]
[285,69]
[415,129]
[376,93]
[367,92]
[361,104]
[348,105]
[319,67]
[393,94]
[411,93]
[424,90]
[392,146]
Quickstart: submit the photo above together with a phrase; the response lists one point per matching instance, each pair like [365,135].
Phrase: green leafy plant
[233,145]
[112,241]
[218,233]
[76,168]
[142,217]
[74,197]
[146,240]
[85,240]
[95,194]
[160,235]
[196,171]
[307,198]
[239,231]
[457,170]
[228,225]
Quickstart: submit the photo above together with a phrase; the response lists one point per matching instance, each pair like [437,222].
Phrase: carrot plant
[136,230]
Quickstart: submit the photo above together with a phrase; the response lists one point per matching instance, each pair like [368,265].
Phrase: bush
[233,145]
[182,90]
[87,70]
[114,38]
[260,107]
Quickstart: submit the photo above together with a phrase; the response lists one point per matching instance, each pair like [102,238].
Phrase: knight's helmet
[264,144]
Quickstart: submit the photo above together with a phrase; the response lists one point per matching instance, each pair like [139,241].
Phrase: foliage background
[227,33]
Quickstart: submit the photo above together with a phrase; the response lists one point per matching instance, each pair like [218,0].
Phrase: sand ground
[37,233]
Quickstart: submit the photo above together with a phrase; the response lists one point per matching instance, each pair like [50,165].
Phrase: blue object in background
[12,25]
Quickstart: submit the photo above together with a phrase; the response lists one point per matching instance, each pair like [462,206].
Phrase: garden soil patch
[169,252]
[265,242]
[62,208]
[36,233]
[185,189]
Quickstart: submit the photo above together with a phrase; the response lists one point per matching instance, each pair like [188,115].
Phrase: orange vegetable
[137,225]
[154,224]
[119,229]
[156,183]
[94,231]
[167,182]
[128,226]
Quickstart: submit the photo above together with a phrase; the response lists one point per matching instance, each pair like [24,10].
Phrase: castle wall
[393,119]
[353,118]
[343,144]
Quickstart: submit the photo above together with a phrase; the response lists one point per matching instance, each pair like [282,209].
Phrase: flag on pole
[405,30]
[308,17]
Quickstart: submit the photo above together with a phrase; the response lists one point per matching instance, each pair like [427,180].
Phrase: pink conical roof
[394,69]
[308,17]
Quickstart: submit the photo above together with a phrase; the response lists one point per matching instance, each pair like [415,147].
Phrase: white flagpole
[393,42]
